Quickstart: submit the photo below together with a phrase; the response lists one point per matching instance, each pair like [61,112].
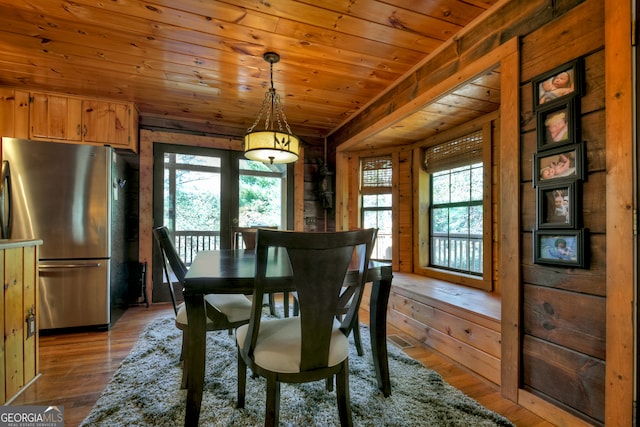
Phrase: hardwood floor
[76,367]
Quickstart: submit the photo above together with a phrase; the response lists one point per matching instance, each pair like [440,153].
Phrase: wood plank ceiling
[197,64]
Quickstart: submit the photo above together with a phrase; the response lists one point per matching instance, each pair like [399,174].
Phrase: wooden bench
[460,322]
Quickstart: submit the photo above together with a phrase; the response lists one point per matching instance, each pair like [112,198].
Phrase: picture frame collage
[559,167]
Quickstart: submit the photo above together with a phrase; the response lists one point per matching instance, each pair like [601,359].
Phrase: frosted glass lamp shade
[271,146]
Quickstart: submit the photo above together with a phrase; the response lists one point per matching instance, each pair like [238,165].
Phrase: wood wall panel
[593,206]
[593,134]
[403,236]
[594,77]
[3,352]
[566,318]
[13,324]
[30,287]
[527,149]
[570,36]
[564,309]
[528,214]
[591,281]
[570,379]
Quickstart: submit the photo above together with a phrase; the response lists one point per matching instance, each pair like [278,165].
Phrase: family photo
[561,247]
[561,83]
[556,86]
[562,164]
[558,166]
[558,125]
[557,206]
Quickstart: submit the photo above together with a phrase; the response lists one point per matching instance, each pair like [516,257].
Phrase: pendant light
[271,145]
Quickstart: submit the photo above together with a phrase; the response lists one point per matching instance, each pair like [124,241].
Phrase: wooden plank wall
[564,309]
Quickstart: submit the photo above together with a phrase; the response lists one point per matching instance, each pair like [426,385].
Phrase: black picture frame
[564,248]
[558,206]
[559,84]
[558,125]
[560,164]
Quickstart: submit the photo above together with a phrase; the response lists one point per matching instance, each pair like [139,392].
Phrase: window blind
[455,153]
[376,174]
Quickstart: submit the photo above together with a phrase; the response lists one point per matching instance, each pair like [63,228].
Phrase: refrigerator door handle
[5,204]
[52,266]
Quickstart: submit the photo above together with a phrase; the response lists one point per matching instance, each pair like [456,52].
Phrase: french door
[200,193]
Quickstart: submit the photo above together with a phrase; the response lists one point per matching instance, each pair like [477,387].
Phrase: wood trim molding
[619,386]
[509,221]
[145,209]
[550,411]
[466,74]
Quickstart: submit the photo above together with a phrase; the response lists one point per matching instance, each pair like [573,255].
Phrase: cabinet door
[55,117]
[106,122]
[13,322]
[14,113]
[122,125]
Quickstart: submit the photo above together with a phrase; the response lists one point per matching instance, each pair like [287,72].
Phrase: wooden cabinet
[20,361]
[55,117]
[108,122]
[14,113]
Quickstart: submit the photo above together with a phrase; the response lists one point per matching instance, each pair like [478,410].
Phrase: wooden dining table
[232,272]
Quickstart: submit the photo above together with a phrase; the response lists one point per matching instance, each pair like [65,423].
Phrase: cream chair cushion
[279,344]
[235,307]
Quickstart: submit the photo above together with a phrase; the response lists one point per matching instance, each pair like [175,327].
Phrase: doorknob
[235,221]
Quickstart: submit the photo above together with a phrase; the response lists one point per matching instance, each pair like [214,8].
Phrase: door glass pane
[262,190]
[192,202]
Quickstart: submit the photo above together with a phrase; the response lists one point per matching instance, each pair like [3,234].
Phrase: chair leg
[272,305]
[356,337]
[242,381]
[329,383]
[184,383]
[183,348]
[342,394]
[272,411]
[285,297]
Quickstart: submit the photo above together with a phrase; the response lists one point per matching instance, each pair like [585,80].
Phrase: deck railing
[458,253]
[189,243]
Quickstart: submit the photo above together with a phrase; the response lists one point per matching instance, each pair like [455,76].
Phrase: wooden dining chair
[248,237]
[345,300]
[224,311]
[313,345]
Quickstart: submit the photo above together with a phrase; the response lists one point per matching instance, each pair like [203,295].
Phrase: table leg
[195,357]
[378,321]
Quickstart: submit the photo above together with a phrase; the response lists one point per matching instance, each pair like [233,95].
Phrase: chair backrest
[319,264]
[248,235]
[171,261]
[348,292]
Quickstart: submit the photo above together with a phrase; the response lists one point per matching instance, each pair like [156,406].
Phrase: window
[262,194]
[456,219]
[457,205]
[375,187]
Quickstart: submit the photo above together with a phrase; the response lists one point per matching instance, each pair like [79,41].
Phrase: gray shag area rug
[145,391]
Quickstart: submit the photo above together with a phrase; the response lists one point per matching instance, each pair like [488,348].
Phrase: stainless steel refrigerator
[64,194]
